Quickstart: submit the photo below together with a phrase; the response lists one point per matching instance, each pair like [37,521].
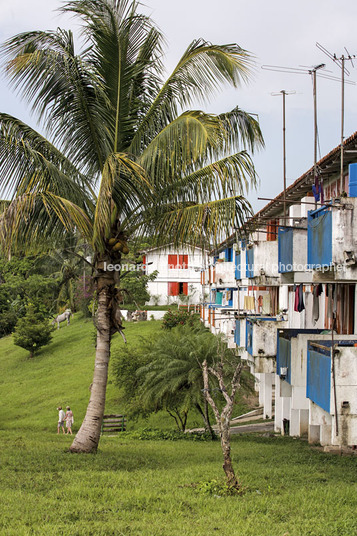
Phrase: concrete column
[286,411]
[261,387]
[295,423]
[278,406]
[304,422]
[268,395]
[284,297]
[325,434]
[355,322]
[314,433]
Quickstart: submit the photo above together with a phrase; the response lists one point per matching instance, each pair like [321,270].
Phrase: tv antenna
[314,71]
[344,71]
[283,93]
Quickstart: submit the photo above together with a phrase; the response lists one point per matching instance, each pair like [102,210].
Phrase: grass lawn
[144,488]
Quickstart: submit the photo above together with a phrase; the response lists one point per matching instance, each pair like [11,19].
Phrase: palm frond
[180,145]
[197,222]
[65,92]
[125,52]
[32,218]
[29,162]
[199,74]
[123,187]
[242,130]
[231,175]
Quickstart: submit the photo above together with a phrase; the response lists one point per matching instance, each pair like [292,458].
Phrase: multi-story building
[283,290]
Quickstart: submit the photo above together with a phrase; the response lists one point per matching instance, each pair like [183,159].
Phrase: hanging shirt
[299,299]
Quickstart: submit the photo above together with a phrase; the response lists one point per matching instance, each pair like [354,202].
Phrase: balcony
[225,274]
[261,342]
[331,247]
[292,251]
[262,262]
[331,429]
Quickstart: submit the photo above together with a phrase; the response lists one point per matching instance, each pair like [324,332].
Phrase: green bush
[176,318]
[32,331]
[154,434]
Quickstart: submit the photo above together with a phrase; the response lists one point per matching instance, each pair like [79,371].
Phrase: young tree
[227,368]
[33,331]
[120,157]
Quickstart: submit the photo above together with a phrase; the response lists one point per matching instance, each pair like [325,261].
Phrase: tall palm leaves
[121,151]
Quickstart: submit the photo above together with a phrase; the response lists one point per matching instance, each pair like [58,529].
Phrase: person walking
[61,418]
[69,420]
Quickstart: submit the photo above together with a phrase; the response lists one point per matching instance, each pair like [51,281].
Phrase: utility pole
[341,63]
[283,93]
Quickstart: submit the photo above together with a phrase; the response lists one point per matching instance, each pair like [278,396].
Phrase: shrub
[153,434]
[32,331]
[176,318]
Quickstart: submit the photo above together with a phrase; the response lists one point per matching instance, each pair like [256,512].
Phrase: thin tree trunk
[205,417]
[210,429]
[223,418]
[87,438]
[232,480]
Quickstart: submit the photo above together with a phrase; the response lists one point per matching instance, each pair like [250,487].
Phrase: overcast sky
[279,32]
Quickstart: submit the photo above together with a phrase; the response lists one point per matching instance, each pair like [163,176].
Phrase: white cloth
[61,415]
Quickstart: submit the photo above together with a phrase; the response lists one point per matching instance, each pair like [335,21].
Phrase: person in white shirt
[61,418]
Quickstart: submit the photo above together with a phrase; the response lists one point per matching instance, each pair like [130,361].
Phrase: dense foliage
[166,373]
[178,317]
[22,284]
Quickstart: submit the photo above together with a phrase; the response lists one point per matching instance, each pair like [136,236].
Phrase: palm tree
[172,378]
[121,155]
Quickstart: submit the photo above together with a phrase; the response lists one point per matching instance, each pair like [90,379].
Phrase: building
[178,279]
[283,290]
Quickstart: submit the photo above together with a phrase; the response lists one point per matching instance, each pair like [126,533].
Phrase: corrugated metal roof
[328,165]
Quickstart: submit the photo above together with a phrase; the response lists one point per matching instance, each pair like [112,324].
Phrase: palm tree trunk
[87,438]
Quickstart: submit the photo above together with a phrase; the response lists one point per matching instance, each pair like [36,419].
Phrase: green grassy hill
[147,488]
[60,374]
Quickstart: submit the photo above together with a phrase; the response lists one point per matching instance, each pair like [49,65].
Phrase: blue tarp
[237,274]
[319,237]
[285,250]
[249,270]
[237,333]
[318,387]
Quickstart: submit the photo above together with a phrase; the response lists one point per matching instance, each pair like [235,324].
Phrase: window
[272,228]
[175,288]
[228,254]
[172,262]
[183,262]
[183,288]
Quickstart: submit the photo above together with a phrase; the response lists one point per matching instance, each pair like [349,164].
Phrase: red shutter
[173,289]
[272,230]
[183,262]
[144,263]
[185,289]
[172,261]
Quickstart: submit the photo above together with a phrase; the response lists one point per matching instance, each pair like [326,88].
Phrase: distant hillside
[61,373]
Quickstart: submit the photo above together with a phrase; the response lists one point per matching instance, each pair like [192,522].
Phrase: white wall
[191,275]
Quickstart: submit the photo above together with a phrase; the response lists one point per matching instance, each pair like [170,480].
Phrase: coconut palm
[121,155]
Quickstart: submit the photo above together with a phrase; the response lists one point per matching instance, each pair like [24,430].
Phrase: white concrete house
[179,274]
